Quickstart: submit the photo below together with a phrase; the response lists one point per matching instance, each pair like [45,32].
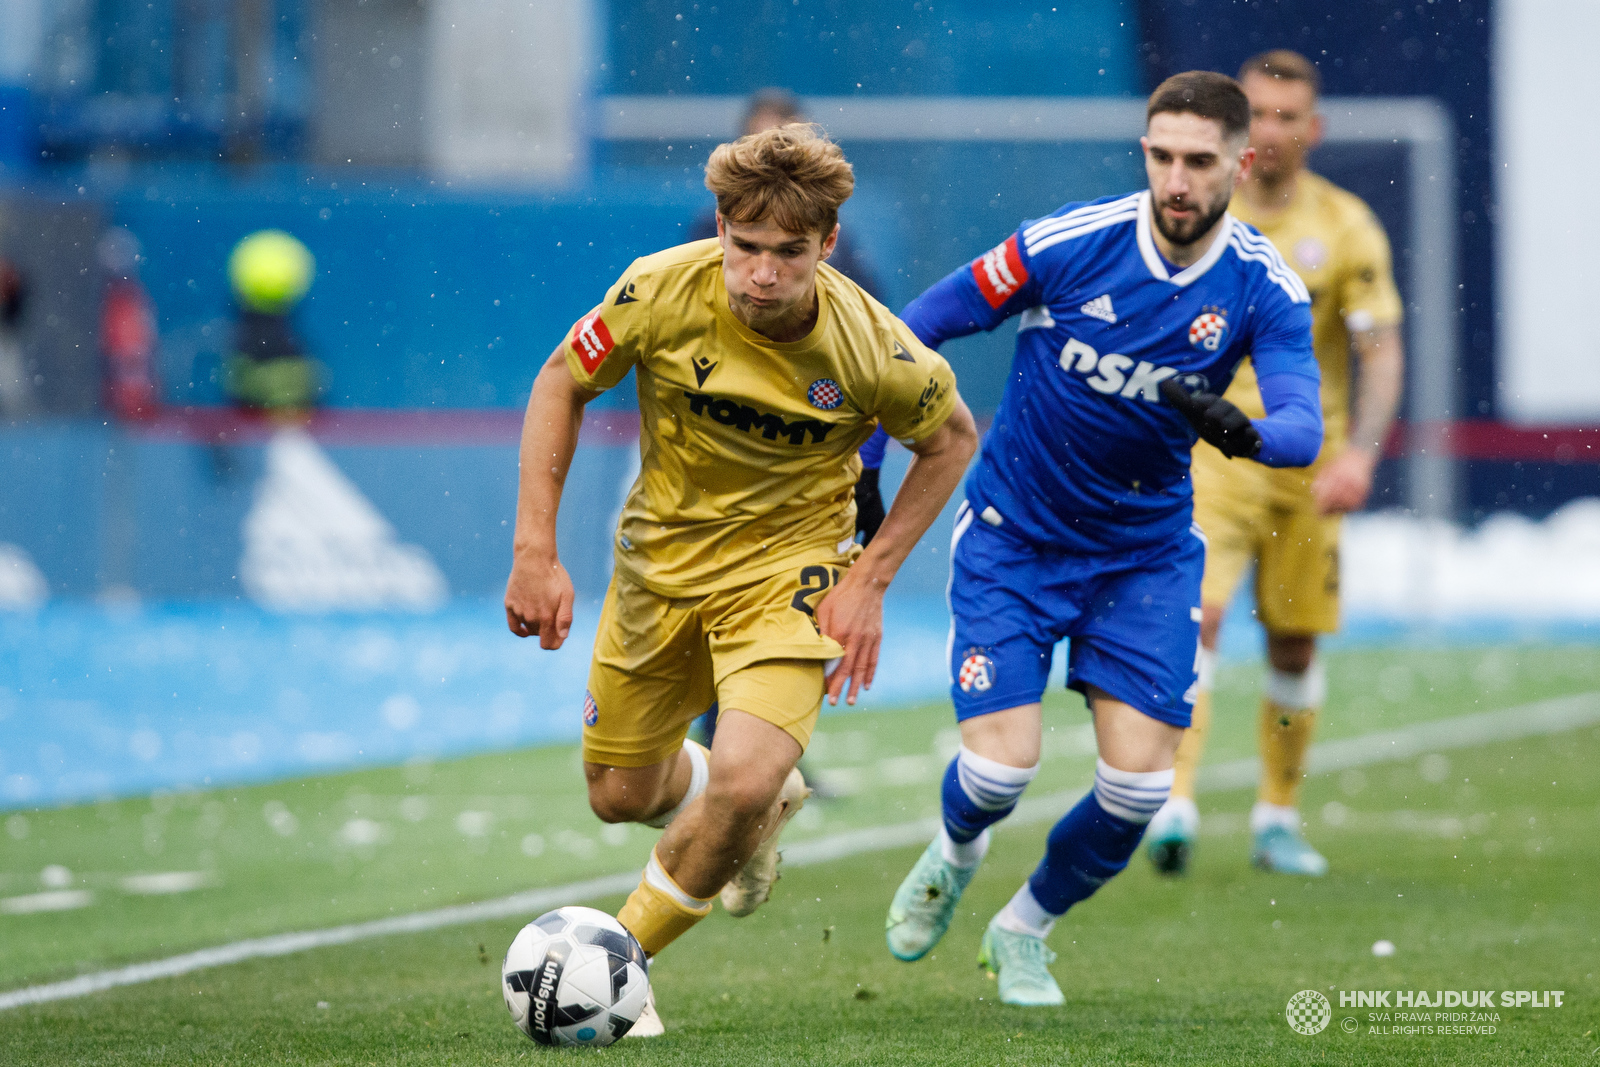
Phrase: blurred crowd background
[468,176]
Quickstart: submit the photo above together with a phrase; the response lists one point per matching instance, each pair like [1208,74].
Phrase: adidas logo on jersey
[1100,308]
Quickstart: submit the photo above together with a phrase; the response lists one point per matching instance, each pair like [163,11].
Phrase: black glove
[1216,420]
[869,505]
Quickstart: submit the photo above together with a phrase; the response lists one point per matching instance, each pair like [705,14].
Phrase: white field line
[1544,717]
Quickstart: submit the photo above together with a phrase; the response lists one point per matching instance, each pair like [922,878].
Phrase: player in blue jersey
[1134,312]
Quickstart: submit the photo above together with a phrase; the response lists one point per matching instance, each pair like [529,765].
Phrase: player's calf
[1087,848]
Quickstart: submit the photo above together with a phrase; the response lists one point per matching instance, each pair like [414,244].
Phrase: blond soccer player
[760,372]
[1285,523]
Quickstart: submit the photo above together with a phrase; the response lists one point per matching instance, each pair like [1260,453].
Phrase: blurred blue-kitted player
[1134,312]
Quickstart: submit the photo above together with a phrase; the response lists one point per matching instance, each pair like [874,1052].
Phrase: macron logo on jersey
[592,341]
[999,272]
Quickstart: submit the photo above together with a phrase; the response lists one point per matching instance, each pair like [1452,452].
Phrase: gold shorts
[1256,514]
[661,662]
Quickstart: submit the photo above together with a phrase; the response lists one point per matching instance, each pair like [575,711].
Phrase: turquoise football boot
[1169,841]
[1277,848]
[924,904]
[1022,963]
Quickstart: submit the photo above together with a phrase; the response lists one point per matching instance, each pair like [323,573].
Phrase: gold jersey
[1331,239]
[748,446]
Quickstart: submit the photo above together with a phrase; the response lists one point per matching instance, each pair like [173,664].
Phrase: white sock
[989,784]
[1207,669]
[1025,915]
[1131,795]
[1298,692]
[699,775]
[963,853]
[1264,816]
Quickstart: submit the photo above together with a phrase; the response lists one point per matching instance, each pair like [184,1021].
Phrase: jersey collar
[1152,258]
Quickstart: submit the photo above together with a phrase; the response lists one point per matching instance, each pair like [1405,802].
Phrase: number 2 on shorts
[813,579]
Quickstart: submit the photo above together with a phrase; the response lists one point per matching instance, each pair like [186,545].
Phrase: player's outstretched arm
[539,594]
[852,614]
[1346,481]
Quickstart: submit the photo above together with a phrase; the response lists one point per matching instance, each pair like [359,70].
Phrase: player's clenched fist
[1216,420]
[539,600]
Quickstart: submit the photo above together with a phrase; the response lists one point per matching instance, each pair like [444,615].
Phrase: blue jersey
[1083,453]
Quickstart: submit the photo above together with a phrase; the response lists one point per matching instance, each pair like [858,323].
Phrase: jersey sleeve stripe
[1129,215]
[1072,218]
[1260,243]
[1276,265]
[1277,270]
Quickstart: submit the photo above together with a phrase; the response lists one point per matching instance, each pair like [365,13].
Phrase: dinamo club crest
[1208,329]
[977,672]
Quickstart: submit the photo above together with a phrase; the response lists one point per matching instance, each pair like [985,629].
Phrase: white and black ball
[575,976]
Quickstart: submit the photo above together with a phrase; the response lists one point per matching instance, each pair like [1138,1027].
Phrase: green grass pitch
[1480,864]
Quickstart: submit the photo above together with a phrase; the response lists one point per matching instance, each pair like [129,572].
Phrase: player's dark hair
[1285,65]
[791,175]
[1207,94]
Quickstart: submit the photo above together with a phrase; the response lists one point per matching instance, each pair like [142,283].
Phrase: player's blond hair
[792,176]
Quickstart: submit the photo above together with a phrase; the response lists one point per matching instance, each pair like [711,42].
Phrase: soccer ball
[575,976]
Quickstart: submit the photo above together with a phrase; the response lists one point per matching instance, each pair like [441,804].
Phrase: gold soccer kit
[1255,513]
[743,515]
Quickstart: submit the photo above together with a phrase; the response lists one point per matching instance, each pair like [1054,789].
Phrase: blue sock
[979,792]
[1095,840]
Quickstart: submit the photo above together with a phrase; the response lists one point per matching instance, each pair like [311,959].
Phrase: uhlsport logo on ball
[1308,1012]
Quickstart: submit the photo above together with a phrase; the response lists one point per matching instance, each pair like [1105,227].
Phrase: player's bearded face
[1192,170]
[1182,220]
[770,273]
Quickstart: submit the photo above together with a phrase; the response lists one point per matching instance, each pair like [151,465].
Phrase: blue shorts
[1133,618]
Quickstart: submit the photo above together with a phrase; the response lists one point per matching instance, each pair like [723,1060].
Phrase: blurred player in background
[128,333]
[270,370]
[1286,522]
[15,388]
[761,370]
[1135,311]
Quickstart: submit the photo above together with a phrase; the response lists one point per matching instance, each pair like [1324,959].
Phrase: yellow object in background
[271,271]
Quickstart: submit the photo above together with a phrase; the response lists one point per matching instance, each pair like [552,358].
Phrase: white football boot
[752,886]
[649,1022]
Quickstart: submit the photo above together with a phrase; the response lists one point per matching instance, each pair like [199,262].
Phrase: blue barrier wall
[422,298]
[101,509]
[971,47]
[428,298]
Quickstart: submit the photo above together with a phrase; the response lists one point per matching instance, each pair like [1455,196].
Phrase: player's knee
[1210,624]
[1291,653]
[613,800]
[741,798]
